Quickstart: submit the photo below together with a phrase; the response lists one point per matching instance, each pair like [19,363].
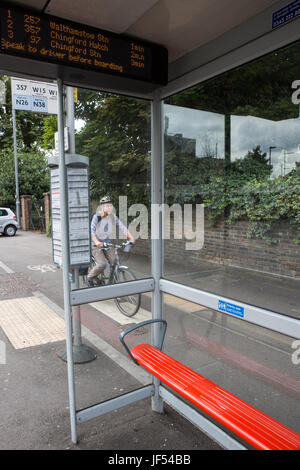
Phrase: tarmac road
[34,406]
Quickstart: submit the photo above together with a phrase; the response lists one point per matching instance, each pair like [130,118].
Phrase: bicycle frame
[113,267]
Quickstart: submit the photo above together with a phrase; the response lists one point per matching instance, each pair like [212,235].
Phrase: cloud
[196,124]
[247,132]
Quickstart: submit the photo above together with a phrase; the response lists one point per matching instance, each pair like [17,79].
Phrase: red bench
[250,424]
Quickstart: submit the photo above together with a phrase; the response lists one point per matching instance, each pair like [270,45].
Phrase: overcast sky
[246,133]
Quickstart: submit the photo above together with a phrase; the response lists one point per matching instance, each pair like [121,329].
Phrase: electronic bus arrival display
[51,39]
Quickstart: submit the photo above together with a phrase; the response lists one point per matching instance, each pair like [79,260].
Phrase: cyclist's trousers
[102,257]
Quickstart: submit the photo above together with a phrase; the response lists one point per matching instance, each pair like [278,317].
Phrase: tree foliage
[116,138]
[242,189]
[29,124]
[33,175]
[32,165]
[261,88]
[49,129]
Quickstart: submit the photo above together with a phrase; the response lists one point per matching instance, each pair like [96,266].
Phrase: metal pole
[66,259]
[16,167]
[75,285]
[227,140]
[157,243]
[81,352]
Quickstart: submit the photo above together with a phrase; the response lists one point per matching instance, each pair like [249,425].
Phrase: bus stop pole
[71,130]
[81,352]
[16,167]
[66,258]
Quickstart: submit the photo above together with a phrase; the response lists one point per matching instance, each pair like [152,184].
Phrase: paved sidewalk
[34,410]
[34,401]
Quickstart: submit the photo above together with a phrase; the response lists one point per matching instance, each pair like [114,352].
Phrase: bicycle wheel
[128,304]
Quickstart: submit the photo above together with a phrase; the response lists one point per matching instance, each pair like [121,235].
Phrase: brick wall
[47,205]
[229,245]
[26,206]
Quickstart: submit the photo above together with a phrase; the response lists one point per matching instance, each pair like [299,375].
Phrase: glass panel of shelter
[114,131]
[232,161]
[231,225]
[252,362]
[232,192]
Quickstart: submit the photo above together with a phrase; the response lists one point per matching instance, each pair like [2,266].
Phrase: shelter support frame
[157,198]
[182,79]
[66,258]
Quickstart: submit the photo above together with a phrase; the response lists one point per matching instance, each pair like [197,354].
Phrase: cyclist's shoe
[90,283]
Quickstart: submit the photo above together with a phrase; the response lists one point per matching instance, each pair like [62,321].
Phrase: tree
[34,130]
[254,166]
[261,88]
[29,124]
[33,175]
[116,138]
[49,129]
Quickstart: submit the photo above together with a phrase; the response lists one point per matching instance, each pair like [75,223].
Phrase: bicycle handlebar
[107,245]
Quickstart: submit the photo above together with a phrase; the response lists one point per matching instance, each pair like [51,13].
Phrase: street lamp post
[270,153]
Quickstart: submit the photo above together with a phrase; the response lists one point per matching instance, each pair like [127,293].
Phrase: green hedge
[261,202]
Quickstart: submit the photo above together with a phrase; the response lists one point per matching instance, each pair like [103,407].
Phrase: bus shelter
[222,86]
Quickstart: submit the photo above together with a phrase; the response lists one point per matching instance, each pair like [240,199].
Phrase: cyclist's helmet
[105,200]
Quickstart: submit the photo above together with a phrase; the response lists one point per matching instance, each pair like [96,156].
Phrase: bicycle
[129,304]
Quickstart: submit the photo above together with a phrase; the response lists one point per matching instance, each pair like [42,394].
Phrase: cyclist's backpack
[98,217]
[84,270]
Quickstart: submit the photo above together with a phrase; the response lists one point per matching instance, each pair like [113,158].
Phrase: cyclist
[103,226]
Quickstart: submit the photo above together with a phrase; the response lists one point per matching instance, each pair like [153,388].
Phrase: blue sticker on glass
[233,309]
[286,14]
